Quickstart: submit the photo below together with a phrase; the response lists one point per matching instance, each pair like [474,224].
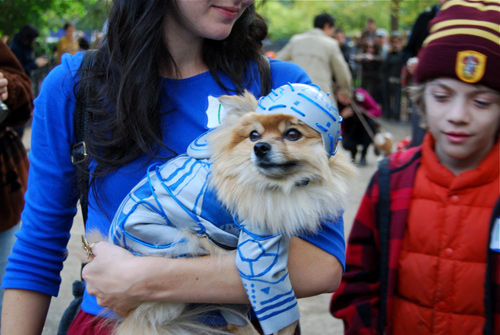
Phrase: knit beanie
[464,44]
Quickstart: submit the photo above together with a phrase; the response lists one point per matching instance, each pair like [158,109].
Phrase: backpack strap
[384,219]
[81,118]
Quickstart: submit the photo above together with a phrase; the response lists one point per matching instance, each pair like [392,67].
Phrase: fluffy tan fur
[296,187]
[384,142]
[274,196]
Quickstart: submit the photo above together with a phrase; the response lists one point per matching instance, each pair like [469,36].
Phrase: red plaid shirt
[359,300]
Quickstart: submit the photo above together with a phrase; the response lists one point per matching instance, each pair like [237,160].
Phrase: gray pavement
[315,319]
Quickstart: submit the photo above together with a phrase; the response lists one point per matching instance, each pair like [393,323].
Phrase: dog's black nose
[261,149]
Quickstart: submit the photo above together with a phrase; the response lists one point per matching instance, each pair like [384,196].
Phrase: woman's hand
[112,277]
[4,93]
[347,112]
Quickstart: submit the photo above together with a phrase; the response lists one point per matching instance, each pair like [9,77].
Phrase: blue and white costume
[176,196]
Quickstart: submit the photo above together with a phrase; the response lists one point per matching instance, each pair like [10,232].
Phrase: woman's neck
[186,50]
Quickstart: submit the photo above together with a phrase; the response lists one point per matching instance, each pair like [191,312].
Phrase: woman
[159,68]
[22,46]
[424,251]
[68,43]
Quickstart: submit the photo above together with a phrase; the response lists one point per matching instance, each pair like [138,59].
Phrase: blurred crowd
[38,56]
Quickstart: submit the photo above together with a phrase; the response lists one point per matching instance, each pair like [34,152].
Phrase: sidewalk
[316,320]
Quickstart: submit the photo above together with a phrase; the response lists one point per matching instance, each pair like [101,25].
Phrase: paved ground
[315,317]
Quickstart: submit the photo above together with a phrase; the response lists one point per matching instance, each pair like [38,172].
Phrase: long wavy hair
[125,82]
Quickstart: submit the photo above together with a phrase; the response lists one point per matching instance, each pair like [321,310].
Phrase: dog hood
[305,102]
[310,105]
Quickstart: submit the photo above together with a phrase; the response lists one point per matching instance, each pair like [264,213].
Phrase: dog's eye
[254,136]
[293,134]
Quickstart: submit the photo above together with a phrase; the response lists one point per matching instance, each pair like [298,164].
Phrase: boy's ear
[237,105]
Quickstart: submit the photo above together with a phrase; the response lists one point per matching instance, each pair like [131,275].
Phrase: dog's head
[275,148]
[265,157]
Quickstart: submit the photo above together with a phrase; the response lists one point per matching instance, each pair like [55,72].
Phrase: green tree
[50,15]
[289,17]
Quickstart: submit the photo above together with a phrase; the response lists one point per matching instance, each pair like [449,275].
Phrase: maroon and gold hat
[464,43]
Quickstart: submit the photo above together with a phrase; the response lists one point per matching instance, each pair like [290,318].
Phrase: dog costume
[176,196]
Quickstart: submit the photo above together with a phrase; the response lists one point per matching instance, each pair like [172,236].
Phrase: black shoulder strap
[384,219]
[81,117]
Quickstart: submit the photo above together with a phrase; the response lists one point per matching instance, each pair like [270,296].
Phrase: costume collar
[487,171]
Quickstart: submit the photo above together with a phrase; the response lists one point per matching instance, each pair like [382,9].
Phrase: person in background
[423,255]
[317,52]
[370,62]
[17,97]
[358,124]
[419,33]
[152,90]
[344,45]
[23,45]
[68,43]
[83,44]
[391,68]
[382,42]
[369,33]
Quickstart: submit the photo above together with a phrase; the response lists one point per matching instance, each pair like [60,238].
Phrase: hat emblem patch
[470,66]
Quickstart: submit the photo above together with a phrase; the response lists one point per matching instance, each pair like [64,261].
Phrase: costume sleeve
[356,301]
[369,104]
[38,255]
[20,100]
[341,72]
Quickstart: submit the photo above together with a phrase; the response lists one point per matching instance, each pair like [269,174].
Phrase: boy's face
[463,119]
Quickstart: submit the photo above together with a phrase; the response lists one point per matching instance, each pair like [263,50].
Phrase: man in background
[319,54]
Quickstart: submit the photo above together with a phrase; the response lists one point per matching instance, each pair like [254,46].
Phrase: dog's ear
[237,105]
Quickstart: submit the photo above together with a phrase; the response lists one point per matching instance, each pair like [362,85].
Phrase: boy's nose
[459,113]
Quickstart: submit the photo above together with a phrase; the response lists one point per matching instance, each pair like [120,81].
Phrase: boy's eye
[293,134]
[254,136]
[440,97]
[482,103]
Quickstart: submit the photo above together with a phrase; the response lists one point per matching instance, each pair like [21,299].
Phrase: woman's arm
[26,313]
[33,272]
[122,281]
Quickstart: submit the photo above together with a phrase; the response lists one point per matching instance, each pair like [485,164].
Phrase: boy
[423,254]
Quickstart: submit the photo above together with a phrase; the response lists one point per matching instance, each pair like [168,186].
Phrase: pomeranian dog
[384,142]
[273,165]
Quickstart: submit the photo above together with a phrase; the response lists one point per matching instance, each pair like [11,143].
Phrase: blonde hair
[417,96]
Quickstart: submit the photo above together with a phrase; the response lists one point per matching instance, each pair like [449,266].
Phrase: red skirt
[88,324]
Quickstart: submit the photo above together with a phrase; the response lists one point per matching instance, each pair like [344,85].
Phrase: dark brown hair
[126,84]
